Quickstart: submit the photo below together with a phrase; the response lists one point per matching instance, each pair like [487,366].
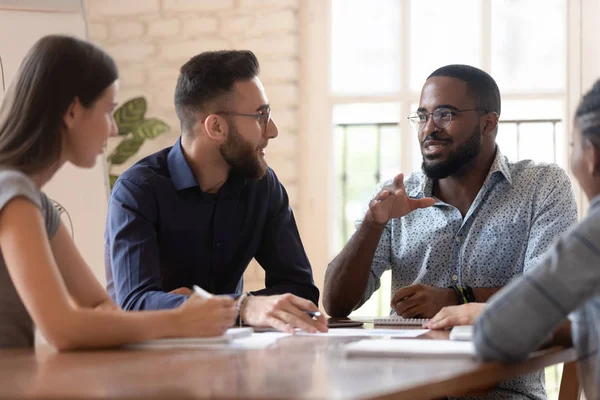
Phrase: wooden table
[300,367]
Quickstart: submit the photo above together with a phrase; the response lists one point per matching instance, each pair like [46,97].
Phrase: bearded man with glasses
[463,227]
[198,212]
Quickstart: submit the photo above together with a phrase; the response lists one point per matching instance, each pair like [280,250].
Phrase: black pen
[313,314]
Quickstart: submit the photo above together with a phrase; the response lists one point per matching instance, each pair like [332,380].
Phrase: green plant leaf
[125,149]
[130,114]
[112,179]
[150,128]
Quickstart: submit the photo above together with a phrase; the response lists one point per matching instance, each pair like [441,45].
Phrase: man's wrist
[370,220]
[463,294]
[455,296]
[242,305]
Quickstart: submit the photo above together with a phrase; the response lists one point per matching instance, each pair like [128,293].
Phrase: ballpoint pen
[202,293]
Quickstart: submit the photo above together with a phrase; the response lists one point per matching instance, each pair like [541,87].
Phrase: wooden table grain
[300,367]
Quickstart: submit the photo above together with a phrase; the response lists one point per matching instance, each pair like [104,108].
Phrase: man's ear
[72,113]
[491,123]
[216,127]
[591,154]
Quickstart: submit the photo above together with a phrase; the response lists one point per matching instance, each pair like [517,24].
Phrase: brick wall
[151,39]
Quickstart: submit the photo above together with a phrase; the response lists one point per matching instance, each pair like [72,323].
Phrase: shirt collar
[183,177]
[181,172]
[595,202]
[499,166]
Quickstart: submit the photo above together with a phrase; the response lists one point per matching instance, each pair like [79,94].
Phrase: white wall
[82,192]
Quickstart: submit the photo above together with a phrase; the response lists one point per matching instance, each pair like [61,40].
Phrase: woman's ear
[491,123]
[591,156]
[216,127]
[72,113]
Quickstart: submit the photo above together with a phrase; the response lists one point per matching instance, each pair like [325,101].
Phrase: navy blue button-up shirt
[163,232]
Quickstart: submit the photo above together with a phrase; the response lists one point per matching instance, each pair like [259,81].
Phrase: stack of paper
[173,343]
[464,332]
[410,348]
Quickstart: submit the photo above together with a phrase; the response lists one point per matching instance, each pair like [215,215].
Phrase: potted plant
[133,129]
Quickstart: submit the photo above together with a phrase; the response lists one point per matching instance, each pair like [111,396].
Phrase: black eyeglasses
[263,117]
[442,117]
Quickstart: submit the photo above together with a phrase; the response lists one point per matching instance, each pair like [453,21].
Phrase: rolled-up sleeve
[132,251]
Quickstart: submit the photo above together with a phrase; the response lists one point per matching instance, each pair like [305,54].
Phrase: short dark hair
[480,84]
[55,71]
[208,77]
[588,114]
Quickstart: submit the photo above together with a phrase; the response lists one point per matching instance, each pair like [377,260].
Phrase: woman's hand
[448,317]
[199,317]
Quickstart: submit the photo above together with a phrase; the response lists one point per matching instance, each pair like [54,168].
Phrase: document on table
[411,348]
[258,340]
[464,332]
[196,342]
[392,333]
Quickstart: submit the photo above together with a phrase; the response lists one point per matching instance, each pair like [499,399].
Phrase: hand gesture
[212,317]
[283,312]
[422,301]
[393,202]
[448,317]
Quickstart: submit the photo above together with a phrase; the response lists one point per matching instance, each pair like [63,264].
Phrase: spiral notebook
[398,320]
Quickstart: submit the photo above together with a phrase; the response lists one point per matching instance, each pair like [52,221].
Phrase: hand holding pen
[283,312]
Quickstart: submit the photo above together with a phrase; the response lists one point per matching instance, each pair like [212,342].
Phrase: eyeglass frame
[452,113]
[260,116]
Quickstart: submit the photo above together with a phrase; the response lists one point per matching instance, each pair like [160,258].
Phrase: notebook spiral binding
[398,320]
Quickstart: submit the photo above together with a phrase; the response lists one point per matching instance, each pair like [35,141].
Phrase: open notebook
[410,348]
[398,320]
[174,343]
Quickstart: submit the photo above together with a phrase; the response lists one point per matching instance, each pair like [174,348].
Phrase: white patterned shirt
[519,211]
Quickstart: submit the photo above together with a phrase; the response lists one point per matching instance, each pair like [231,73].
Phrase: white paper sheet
[418,348]
[224,340]
[258,340]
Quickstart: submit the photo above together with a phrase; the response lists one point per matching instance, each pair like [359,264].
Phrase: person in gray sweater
[566,282]
[59,109]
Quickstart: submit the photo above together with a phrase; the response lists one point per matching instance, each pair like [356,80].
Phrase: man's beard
[241,156]
[456,160]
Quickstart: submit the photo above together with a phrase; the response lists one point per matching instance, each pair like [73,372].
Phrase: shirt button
[458,239]
[218,244]
[454,277]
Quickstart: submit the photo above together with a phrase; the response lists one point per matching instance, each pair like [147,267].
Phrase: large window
[381,53]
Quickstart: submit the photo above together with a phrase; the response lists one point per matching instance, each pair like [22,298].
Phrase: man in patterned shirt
[567,280]
[463,227]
